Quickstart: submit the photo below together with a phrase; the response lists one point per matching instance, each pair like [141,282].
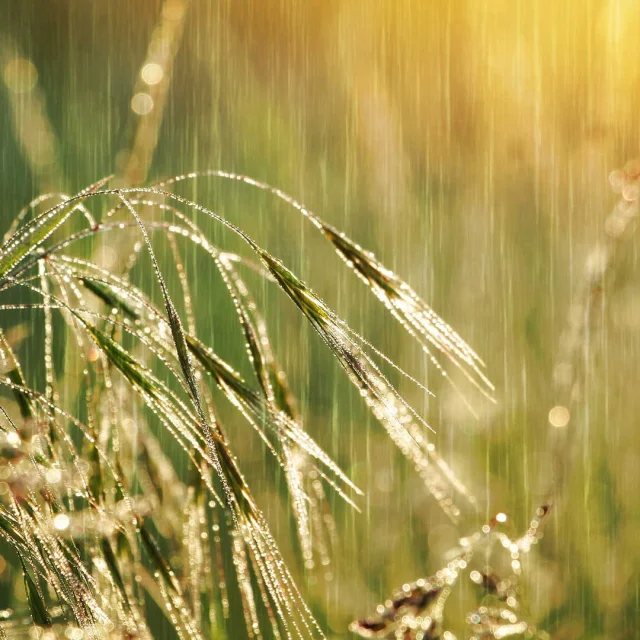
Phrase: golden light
[152,73]
[20,75]
[559,416]
[142,104]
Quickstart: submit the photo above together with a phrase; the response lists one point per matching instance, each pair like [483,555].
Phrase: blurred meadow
[469,145]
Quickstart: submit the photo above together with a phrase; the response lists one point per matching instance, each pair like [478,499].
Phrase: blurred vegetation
[468,145]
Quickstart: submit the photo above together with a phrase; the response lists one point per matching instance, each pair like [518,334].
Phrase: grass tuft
[96,509]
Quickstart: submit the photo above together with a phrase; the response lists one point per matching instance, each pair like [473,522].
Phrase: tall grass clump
[93,505]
